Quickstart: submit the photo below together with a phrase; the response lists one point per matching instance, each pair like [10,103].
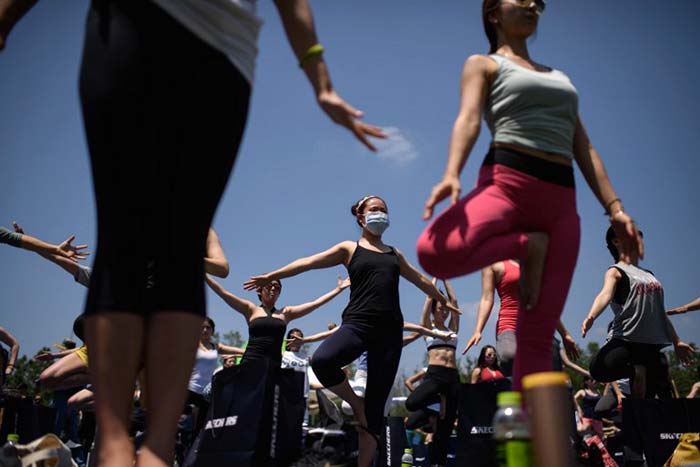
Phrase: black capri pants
[164,114]
[438,381]
[617,358]
[383,343]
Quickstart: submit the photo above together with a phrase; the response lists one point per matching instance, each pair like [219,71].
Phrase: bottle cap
[14,437]
[407,451]
[509,398]
[548,378]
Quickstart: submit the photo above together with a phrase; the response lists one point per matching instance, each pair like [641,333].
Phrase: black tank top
[374,287]
[588,404]
[265,339]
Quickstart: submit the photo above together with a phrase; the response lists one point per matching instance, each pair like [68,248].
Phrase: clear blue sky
[634,63]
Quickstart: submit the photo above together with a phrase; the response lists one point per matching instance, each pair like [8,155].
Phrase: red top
[487,374]
[508,292]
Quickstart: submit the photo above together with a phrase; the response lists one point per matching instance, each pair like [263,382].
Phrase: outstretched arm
[64,249]
[412,275]
[410,338]
[568,341]
[337,254]
[241,305]
[229,350]
[612,277]
[68,265]
[488,287]
[298,22]
[297,311]
[423,331]
[685,352]
[568,363]
[215,261]
[454,317]
[11,11]
[320,336]
[692,306]
[631,248]
[9,340]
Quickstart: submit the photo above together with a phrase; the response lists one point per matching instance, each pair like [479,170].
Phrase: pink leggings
[490,224]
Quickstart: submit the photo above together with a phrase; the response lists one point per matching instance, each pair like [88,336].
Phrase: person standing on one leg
[524,204]
[372,321]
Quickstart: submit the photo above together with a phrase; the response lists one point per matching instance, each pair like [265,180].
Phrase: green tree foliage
[26,375]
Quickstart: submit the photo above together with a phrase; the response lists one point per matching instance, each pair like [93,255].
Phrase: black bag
[477,406]
[654,426]
[249,402]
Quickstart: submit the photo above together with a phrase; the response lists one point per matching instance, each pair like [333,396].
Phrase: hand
[343,283]
[295,340]
[474,340]
[17,228]
[631,247]
[448,186]
[346,115]
[74,253]
[685,352]
[10,368]
[676,311]
[446,335]
[257,282]
[452,308]
[570,347]
[44,357]
[586,325]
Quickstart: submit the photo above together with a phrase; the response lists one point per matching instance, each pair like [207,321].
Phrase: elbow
[468,125]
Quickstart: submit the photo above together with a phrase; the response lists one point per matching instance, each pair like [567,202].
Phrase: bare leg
[532,268]
[82,400]
[171,346]
[115,343]
[67,372]
[367,443]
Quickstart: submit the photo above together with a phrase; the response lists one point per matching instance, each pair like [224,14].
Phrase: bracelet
[315,50]
[607,206]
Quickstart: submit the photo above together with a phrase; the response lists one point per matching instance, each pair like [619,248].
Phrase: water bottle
[8,457]
[511,432]
[407,458]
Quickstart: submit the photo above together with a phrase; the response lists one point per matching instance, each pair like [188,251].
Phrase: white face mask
[377,222]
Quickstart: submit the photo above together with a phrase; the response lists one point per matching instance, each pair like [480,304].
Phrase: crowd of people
[145,326]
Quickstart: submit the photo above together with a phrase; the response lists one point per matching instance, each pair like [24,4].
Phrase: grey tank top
[642,317]
[532,109]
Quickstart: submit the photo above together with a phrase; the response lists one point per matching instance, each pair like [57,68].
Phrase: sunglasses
[540,5]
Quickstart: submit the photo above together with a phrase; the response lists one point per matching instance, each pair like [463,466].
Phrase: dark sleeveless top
[374,288]
[588,404]
[265,339]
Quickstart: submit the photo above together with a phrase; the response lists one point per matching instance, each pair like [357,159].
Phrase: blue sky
[634,64]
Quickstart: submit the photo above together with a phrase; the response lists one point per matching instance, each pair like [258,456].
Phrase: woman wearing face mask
[524,204]
[372,321]
[487,367]
[441,382]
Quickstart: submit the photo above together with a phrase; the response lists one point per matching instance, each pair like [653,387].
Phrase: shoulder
[476,371]
[480,63]
[614,272]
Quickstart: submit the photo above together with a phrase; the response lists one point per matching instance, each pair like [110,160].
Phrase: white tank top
[432,342]
[204,366]
[230,26]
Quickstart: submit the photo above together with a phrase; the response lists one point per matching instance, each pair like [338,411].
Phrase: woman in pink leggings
[524,204]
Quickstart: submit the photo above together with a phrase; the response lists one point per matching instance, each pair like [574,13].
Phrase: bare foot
[639,384]
[117,452]
[532,268]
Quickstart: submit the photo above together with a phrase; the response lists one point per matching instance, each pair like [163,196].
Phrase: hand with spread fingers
[448,187]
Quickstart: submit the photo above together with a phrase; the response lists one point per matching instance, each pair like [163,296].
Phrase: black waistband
[539,168]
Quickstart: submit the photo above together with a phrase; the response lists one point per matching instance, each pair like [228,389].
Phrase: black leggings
[164,114]
[617,358]
[383,345]
[439,380]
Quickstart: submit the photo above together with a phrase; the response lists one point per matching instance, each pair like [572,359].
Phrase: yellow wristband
[315,50]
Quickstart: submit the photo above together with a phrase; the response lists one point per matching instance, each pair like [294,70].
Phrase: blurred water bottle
[8,456]
[511,431]
[407,458]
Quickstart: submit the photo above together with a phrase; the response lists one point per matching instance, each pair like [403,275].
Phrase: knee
[326,370]
[412,403]
[428,257]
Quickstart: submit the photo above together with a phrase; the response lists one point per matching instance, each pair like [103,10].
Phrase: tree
[25,376]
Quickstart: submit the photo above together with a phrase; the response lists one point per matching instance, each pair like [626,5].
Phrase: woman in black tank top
[372,321]
[267,324]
